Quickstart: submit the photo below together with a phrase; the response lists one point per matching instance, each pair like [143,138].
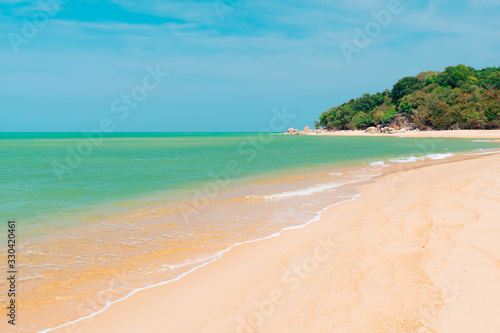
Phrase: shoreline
[421,161]
[211,260]
[171,250]
[199,270]
[459,134]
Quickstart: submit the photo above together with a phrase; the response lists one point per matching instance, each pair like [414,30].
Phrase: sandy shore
[465,134]
[416,252]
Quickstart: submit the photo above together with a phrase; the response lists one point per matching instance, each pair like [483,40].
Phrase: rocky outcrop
[306,131]
[293,131]
[400,124]
[390,129]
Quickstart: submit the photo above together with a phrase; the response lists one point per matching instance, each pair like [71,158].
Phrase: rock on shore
[306,131]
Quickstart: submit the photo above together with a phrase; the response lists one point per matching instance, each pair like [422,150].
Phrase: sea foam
[301,192]
[410,159]
[378,164]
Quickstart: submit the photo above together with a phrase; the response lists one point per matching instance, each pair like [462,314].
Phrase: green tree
[459,74]
[361,120]
[404,87]
[473,80]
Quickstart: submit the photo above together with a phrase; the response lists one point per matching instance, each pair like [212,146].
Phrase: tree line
[461,97]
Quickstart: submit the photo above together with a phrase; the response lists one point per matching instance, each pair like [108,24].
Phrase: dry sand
[466,134]
[418,251]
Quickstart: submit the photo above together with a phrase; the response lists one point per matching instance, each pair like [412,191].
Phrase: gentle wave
[197,262]
[331,186]
[439,156]
[378,164]
[301,192]
[485,153]
[404,159]
[410,159]
[312,189]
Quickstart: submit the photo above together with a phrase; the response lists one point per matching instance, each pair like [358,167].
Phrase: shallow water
[136,210]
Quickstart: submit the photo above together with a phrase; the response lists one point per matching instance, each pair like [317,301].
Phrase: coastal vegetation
[461,97]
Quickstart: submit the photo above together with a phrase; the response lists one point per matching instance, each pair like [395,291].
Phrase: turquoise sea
[133,166]
[152,206]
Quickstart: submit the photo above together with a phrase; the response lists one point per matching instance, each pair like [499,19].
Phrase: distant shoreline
[463,134]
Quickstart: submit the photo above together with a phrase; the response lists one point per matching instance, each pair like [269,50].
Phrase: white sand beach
[417,251]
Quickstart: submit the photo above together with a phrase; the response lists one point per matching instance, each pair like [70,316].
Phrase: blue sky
[224,75]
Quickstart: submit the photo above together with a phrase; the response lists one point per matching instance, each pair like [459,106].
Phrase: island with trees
[460,97]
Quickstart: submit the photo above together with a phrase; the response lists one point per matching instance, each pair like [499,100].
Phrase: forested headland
[460,97]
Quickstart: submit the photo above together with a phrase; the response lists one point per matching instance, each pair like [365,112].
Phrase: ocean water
[99,218]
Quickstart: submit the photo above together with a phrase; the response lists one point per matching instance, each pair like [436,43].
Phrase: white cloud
[185,10]
[12,2]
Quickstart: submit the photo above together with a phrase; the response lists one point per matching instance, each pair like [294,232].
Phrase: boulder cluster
[385,129]
[306,131]
[400,124]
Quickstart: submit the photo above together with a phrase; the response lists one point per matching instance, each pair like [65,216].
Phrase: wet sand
[71,273]
[417,251]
